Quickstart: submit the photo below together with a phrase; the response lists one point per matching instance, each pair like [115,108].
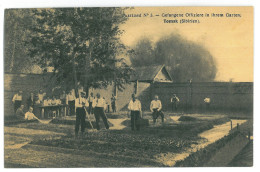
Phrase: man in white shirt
[29,115]
[41,96]
[71,102]
[17,100]
[99,105]
[80,104]
[155,108]
[136,111]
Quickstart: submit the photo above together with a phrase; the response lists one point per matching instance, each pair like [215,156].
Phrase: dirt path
[117,124]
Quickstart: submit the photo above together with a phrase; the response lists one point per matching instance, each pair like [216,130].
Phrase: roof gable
[151,73]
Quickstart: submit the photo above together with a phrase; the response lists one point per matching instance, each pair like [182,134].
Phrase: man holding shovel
[80,104]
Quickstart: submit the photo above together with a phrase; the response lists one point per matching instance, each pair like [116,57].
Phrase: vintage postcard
[128,87]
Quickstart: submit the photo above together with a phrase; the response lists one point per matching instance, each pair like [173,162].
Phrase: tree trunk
[13,52]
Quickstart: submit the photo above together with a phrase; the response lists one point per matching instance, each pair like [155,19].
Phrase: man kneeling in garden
[156,107]
[136,112]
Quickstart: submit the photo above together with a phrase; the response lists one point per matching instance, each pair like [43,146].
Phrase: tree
[185,59]
[81,44]
[15,30]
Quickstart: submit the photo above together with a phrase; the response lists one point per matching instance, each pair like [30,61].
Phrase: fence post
[231,124]
[237,126]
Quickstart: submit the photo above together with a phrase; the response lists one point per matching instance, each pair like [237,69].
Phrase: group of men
[91,105]
[135,109]
[83,106]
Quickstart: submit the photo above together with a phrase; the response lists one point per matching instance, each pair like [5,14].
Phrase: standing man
[136,112]
[71,102]
[63,98]
[31,101]
[99,106]
[113,103]
[174,102]
[17,100]
[207,102]
[80,104]
[155,108]
[41,96]
[90,101]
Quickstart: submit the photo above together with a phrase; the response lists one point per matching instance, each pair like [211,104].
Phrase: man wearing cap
[80,104]
[99,106]
[17,100]
[136,111]
[155,108]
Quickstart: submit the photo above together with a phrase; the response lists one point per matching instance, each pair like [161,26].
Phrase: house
[140,83]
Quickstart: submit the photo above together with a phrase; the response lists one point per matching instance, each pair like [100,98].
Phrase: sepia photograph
[90,87]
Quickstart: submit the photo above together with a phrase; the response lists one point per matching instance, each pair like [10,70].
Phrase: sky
[228,39]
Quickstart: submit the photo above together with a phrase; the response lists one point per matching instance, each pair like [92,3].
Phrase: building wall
[27,83]
[224,95]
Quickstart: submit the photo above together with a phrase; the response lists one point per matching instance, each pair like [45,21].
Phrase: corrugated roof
[146,73]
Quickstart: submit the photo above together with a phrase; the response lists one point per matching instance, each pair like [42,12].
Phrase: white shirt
[70,97]
[40,96]
[175,99]
[207,100]
[90,99]
[81,102]
[17,97]
[99,103]
[156,104]
[135,105]
[29,116]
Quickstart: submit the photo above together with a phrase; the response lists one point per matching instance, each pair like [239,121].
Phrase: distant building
[140,82]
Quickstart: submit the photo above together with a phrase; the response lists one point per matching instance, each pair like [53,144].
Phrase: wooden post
[231,124]
[237,126]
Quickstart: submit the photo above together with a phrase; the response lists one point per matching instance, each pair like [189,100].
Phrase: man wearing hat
[99,105]
[17,100]
[80,103]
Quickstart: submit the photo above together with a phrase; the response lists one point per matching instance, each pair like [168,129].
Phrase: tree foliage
[185,59]
[84,40]
[17,22]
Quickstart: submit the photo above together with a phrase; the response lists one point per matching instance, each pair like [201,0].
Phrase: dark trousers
[80,120]
[17,104]
[90,109]
[113,104]
[135,120]
[71,107]
[99,112]
[174,106]
[156,114]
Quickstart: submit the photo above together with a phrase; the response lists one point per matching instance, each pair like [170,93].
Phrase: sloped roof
[147,73]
